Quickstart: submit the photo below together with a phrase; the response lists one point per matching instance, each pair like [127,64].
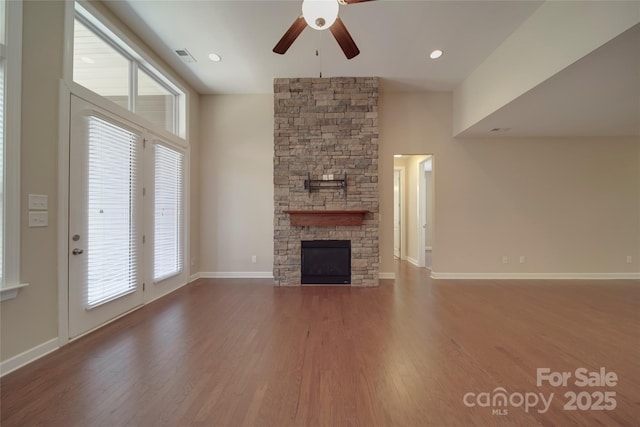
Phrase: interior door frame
[423,207]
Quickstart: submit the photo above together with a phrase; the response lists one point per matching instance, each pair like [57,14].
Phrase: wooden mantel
[326,218]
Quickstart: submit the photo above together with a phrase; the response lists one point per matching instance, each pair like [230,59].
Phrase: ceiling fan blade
[290,36]
[344,39]
[352,1]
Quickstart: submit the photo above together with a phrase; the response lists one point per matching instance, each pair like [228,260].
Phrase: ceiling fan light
[320,14]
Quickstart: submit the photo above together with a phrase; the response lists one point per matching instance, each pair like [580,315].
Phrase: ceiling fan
[320,15]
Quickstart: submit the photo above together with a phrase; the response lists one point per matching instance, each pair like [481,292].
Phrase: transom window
[105,65]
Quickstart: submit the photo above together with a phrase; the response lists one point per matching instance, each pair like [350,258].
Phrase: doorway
[126,216]
[413,225]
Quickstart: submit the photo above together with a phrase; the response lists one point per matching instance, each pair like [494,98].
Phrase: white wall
[236,182]
[569,205]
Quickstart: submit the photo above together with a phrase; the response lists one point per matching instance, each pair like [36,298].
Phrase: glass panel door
[105,242]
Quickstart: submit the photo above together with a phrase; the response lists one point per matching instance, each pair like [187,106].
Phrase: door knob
[77,251]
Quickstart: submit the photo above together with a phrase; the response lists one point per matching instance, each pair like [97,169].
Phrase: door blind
[168,212]
[112,269]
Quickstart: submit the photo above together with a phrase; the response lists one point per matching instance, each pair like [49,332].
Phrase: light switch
[38,219]
[38,202]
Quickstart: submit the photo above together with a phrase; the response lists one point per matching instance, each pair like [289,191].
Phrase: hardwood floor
[243,353]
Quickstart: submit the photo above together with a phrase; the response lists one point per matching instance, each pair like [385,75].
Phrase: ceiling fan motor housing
[320,14]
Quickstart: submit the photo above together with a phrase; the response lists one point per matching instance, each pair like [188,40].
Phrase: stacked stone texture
[326,126]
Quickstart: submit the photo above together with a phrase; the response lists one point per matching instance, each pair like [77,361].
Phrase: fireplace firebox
[326,262]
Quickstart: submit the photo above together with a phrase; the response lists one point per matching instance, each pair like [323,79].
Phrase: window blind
[168,212]
[112,268]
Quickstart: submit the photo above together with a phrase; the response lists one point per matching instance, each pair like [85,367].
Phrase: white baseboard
[194,277]
[236,275]
[412,261]
[28,356]
[536,276]
[387,275]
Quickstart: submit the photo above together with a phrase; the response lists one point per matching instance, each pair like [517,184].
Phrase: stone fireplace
[326,172]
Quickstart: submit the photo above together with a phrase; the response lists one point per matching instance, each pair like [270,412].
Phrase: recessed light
[435,54]
[215,57]
[397,155]
[87,60]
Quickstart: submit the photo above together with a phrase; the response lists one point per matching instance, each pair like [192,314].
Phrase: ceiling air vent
[185,55]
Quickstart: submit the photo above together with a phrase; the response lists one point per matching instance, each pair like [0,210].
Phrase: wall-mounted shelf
[326,184]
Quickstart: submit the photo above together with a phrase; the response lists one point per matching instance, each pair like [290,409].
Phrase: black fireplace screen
[326,262]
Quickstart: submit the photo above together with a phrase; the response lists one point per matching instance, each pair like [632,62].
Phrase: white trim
[28,356]
[236,275]
[194,277]
[536,276]
[412,261]
[10,292]
[64,110]
[67,50]
[12,123]
[387,275]
[421,214]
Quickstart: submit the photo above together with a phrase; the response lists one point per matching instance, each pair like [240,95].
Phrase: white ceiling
[595,96]
[394,37]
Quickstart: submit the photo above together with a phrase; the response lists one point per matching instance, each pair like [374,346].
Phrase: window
[106,65]
[10,84]
[168,212]
[155,102]
[98,66]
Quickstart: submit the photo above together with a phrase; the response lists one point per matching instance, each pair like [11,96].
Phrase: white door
[428,226]
[397,208]
[105,217]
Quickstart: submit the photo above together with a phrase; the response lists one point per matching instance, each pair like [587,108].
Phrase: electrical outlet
[38,219]
[505,259]
[521,259]
[254,259]
[38,202]
[629,259]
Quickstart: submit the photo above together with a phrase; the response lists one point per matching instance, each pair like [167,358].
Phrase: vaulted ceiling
[599,94]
